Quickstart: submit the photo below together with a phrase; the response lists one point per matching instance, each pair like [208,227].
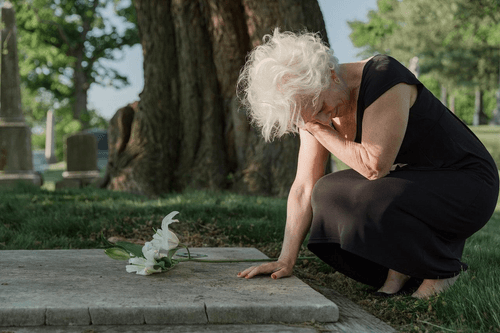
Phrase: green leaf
[135,249]
[172,252]
[117,253]
[166,262]
[161,264]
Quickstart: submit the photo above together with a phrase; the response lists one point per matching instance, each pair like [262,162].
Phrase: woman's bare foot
[395,281]
[432,287]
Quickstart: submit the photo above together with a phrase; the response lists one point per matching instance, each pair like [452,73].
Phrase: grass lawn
[41,218]
[33,218]
[490,137]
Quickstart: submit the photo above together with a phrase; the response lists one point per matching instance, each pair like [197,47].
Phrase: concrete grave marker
[16,159]
[81,161]
[83,287]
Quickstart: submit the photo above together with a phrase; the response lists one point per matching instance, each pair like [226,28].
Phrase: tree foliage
[61,45]
[457,41]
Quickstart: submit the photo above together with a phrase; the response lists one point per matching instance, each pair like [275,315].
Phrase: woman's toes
[432,287]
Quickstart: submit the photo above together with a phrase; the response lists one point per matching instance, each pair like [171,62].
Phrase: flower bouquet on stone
[158,255]
[155,256]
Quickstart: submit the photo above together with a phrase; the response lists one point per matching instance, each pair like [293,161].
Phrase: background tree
[456,41]
[61,43]
[188,129]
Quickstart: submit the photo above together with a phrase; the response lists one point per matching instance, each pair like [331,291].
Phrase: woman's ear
[335,78]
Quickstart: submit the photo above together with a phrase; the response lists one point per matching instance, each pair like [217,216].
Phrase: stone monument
[16,159]
[81,161]
[50,139]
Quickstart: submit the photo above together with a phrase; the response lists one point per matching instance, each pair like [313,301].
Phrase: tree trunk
[480,117]
[444,96]
[188,129]
[81,89]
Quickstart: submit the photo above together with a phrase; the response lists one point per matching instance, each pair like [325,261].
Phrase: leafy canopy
[457,41]
[61,44]
[58,37]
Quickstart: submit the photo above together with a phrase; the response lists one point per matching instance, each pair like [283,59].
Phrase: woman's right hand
[277,269]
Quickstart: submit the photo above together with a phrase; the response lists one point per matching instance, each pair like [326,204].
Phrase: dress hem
[464,266]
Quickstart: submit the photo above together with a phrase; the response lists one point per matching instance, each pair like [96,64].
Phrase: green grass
[490,137]
[34,218]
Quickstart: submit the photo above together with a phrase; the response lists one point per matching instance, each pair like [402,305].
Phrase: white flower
[144,266]
[165,239]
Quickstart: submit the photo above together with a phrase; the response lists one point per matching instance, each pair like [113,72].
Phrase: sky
[336,13]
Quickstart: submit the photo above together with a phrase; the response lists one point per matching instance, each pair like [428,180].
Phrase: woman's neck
[351,74]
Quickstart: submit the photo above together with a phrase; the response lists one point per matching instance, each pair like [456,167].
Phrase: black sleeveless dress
[444,187]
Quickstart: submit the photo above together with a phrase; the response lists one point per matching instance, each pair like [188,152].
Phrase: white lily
[144,266]
[165,239]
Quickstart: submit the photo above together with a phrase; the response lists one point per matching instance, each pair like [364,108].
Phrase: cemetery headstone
[16,159]
[101,136]
[81,161]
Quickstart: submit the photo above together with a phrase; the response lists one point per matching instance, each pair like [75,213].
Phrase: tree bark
[80,81]
[444,96]
[480,117]
[189,130]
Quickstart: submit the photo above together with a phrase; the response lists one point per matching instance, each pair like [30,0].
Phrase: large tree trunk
[189,129]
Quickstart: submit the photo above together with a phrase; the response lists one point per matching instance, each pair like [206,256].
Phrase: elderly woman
[420,181]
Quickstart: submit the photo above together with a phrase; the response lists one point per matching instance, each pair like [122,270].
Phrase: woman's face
[331,103]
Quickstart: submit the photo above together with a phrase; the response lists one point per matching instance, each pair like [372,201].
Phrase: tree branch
[87,20]
[57,25]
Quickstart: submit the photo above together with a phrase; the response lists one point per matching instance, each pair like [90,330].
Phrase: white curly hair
[281,76]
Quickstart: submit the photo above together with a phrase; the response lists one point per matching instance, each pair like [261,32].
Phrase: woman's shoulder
[383,63]
[380,73]
[380,67]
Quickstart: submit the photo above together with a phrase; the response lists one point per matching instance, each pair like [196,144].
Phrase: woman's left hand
[277,269]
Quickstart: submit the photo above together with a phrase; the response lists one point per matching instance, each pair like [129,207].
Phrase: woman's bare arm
[310,167]
[384,127]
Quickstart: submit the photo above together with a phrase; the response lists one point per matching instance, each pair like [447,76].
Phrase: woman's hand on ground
[277,269]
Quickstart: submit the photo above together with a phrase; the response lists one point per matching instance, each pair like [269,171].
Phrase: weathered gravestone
[101,136]
[81,161]
[16,159]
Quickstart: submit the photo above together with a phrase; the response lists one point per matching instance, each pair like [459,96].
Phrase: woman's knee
[320,191]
